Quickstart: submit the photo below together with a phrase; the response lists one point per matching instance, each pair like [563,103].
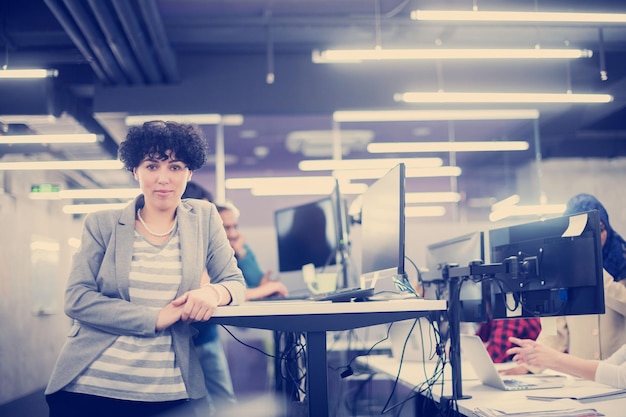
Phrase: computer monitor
[342,225]
[459,251]
[552,268]
[307,234]
[383,227]
[342,220]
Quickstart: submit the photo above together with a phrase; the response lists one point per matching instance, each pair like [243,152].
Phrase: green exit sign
[45,188]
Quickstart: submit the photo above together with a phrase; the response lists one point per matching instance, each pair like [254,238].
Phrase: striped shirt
[142,368]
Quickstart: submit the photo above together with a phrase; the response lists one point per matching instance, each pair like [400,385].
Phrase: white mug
[324,282]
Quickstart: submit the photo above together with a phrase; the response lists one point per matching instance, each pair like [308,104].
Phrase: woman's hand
[532,353]
[171,313]
[201,303]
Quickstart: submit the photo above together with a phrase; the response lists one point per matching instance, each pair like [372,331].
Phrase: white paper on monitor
[576,225]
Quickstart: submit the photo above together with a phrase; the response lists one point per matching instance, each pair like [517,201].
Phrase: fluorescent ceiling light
[348,164]
[322,182]
[534,210]
[483,146]
[69,138]
[200,119]
[122,193]
[518,16]
[90,208]
[298,189]
[449,171]
[449,97]
[432,197]
[60,165]
[360,55]
[73,242]
[431,211]
[509,201]
[424,115]
[28,73]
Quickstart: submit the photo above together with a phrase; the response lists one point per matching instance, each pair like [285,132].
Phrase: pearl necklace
[153,233]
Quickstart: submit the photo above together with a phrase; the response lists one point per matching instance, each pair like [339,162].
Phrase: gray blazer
[97,294]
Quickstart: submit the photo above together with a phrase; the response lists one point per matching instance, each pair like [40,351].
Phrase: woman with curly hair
[139,278]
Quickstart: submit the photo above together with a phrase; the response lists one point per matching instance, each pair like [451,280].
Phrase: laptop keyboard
[344,295]
[515,383]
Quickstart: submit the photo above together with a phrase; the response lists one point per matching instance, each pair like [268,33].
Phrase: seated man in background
[259,284]
[217,378]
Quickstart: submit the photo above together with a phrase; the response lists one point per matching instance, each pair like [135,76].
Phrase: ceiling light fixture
[200,119]
[349,164]
[432,197]
[427,211]
[470,146]
[96,193]
[532,210]
[61,165]
[321,182]
[353,56]
[298,189]
[430,115]
[450,97]
[90,208]
[353,174]
[28,73]
[507,202]
[518,16]
[69,138]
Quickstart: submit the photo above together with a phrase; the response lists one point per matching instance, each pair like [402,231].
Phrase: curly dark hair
[153,139]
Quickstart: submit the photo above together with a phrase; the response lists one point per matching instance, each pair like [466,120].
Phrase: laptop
[473,351]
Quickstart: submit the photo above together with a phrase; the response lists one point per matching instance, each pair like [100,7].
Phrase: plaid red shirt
[496,333]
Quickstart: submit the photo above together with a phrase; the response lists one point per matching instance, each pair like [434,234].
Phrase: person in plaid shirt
[495,334]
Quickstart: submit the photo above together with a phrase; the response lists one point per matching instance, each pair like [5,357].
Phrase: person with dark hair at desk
[611,371]
[594,337]
[495,335]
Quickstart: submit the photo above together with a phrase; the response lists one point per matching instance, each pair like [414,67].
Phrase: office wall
[33,325]
[29,343]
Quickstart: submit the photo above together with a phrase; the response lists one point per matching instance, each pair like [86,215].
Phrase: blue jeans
[216,374]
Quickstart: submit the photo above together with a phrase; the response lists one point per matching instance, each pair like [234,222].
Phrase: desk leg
[317,374]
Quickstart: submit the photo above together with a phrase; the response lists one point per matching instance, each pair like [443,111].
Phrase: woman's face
[162,182]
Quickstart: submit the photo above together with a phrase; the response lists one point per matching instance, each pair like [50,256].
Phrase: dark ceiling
[131,57]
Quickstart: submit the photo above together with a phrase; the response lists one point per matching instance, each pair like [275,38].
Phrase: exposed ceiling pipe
[90,30]
[116,40]
[60,12]
[137,39]
[164,52]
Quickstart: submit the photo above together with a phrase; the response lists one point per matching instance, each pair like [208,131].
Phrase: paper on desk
[583,393]
[524,408]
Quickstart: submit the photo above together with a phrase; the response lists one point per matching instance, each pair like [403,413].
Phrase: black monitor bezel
[580,299]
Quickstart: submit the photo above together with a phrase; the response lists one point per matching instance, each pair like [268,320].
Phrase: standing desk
[412,374]
[315,318]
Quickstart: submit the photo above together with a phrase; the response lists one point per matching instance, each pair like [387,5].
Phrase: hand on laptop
[530,353]
[266,288]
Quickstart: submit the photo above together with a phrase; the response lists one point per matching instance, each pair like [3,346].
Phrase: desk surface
[412,374]
[307,316]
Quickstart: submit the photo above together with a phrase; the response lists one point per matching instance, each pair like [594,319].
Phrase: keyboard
[279,297]
[344,295]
